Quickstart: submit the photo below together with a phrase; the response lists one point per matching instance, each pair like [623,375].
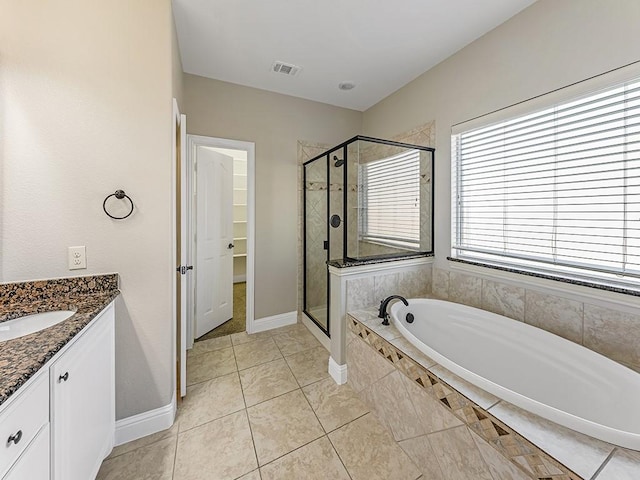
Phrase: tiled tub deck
[452,429]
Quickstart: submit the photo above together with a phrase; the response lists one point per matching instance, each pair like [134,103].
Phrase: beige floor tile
[255,475]
[266,381]
[221,449]
[370,453]
[294,327]
[458,455]
[210,345]
[310,366]
[335,405]
[210,400]
[210,365]
[244,337]
[295,341]
[315,461]
[500,467]
[153,461]
[256,352]
[144,441]
[281,425]
[420,451]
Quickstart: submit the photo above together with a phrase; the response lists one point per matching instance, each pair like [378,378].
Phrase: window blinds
[389,200]
[556,188]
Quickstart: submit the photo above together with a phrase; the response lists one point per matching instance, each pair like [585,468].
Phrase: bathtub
[528,367]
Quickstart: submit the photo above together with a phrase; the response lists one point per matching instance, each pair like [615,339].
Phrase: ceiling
[379,45]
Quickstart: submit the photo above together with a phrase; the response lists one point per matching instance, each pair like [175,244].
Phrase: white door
[214,239]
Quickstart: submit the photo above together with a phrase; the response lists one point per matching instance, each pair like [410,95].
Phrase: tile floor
[262,407]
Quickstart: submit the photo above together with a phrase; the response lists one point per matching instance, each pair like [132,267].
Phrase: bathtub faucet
[382,313]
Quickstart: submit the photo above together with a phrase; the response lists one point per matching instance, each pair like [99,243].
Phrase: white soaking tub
[528,367]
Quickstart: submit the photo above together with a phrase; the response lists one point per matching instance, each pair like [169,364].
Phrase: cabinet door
[33,464]
[82,402]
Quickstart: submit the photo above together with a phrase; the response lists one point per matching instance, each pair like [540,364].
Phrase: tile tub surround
[507,438]
[22,357]
[609,330]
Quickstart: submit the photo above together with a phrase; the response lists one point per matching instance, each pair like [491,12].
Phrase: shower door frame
[304,241]
[344,146]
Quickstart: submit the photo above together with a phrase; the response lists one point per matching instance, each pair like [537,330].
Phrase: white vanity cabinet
[60,425]
[82,402]
[22,422]
[34,463]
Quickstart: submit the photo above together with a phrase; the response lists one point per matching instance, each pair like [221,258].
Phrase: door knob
[230,246]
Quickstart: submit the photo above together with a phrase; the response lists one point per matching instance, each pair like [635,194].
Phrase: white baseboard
[275,321]
[239,278]
[338,372]
[146,423]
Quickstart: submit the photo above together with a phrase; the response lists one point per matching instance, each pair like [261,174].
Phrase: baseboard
[146,423]
[239,278]
[275,321]
[338,372]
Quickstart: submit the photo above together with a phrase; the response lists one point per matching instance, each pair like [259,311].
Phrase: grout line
[175,457]
[339,457]
[604,464]
[253,441]
[295,449]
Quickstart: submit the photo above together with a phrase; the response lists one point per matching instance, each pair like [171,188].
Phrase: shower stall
[366,200]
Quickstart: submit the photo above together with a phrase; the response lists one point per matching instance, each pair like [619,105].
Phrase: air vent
[285,68]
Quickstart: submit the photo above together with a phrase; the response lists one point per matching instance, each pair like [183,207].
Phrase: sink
[21,326]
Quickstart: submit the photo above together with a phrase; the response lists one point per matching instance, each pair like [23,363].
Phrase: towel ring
[119,194]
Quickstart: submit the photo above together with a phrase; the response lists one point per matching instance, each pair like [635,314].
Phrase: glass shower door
[316,244]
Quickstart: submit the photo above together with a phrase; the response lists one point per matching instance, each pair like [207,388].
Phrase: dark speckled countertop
[22,357]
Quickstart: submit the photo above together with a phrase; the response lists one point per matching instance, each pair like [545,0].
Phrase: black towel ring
[119,194]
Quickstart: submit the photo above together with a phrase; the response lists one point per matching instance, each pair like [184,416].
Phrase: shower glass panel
[316,253]
[365,200]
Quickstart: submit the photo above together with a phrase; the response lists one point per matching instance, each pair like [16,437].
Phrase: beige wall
[547,46]
[275,123]
[176,66]
[85,108]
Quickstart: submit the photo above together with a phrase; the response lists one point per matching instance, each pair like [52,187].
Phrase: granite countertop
[22,357]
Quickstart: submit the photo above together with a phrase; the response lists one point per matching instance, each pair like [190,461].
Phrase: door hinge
[182,269]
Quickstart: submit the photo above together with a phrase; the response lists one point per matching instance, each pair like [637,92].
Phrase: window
[390,201]
[557,190]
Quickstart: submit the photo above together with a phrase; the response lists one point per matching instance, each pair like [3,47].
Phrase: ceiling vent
[285,68]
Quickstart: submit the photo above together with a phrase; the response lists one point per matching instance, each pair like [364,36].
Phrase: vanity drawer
[22,418]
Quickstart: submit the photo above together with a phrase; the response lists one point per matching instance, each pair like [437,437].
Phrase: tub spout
[382,313]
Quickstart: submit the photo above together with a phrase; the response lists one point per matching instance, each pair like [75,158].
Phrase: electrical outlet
[77,258]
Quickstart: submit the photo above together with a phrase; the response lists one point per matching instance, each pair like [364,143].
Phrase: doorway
[222,231]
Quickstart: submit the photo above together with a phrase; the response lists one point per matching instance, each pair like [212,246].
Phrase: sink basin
[19,327]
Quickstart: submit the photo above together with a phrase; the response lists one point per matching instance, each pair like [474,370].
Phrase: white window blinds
[389,200]
[558,189]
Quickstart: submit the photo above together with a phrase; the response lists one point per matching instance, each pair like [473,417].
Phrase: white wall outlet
[77,258]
